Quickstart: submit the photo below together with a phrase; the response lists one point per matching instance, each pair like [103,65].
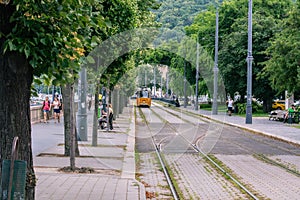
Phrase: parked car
[279,105]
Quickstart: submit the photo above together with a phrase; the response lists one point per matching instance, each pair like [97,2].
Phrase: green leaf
[43,41]
[90,59]
[12,47]
[38,81]
[27,51]
[108,23]
[95,41]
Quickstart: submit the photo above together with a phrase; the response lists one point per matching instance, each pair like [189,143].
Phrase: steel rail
[258,156]
[212,161]
[224,172]
[269,160]
[157,151]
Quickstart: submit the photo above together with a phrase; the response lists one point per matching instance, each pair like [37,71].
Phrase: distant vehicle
[143,97]
[36,101]
[279,105]
[133,96]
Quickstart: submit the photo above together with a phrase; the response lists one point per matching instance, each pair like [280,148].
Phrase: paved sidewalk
[112,159]
[261,125]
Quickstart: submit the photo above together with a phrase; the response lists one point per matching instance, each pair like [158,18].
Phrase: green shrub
[205,105]
[242,107]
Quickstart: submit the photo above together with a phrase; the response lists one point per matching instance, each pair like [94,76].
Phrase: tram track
[206,157]
[164,166]
[174,192]
[258,156]
[159,143]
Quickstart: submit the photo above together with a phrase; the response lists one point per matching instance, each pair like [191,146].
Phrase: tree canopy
[233,41]
[283,65]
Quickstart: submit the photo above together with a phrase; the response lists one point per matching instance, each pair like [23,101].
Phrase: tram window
[145,94]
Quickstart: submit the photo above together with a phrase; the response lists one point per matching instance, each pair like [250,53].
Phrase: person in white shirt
[230,106]
[56,110]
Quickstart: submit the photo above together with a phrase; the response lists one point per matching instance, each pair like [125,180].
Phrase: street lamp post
[197,74]
[154,81]
[82,112]
[184,80]
[167,81]
[249,67]
[215,103]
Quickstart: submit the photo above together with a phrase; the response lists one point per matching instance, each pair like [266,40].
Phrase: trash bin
[13,178]
[18,181]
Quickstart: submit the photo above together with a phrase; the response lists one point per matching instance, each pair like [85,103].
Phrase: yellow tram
[143,97]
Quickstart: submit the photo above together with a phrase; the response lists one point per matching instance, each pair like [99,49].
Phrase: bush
[205,105]
[242,107]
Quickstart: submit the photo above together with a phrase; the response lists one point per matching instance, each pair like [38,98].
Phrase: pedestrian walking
[230,106]
[46,109]
[56,109]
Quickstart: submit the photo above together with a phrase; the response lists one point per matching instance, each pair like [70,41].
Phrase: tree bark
[16,76]
[95,118]
[67,101]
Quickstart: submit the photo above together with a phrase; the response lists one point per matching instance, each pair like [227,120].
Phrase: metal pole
[146,77]
[82,112]
[154,87]
[161,80]
[215,103]
[184,82]
[197,74]
[167,83]
[108,92]
[96,108]
[249,67]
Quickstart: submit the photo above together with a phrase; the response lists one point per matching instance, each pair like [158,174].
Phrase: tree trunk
[16,76]
[67,96]
[267,105]
[72,129]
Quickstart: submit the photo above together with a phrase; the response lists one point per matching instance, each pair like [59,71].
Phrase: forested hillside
[175,15]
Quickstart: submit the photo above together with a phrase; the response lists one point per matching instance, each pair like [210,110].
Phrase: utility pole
[167,82]
[184,82]
[145,76]
[215,103]
[154,81]
[108,92]
[161,80]
[249,67]
[197,74]
[96,106]
[82,112]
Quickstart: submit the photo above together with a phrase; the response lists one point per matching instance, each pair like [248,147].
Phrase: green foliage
[233,40]
[283,67]
[56,36]
[52,35]
[204,106]
[175,15]
[242,107]
[114,54]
